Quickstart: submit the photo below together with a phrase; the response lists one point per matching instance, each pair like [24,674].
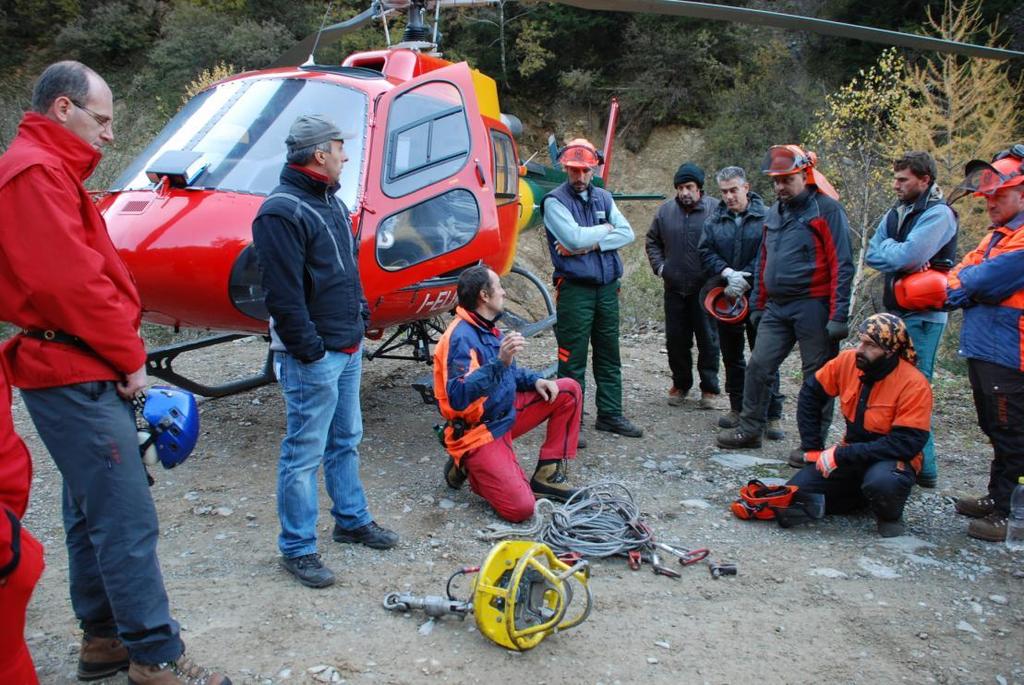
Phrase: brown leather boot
[183,671]
[101,657]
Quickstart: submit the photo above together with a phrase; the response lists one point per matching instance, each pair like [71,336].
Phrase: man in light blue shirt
[919,231]
[584,231]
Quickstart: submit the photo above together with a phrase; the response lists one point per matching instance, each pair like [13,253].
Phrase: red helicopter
[434,181]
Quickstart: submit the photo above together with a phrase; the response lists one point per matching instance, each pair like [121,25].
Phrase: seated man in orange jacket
[887,404]
[488,401]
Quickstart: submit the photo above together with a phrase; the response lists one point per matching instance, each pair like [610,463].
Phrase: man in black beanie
[672,250]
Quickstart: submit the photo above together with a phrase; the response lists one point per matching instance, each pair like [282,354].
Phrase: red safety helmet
[579,153]
[783,160]
[983,178]
[921,290]
[723,308]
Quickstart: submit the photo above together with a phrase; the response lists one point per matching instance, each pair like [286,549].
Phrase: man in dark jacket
[887,404]
[307,256]
[672,243]
[585,230]
[801,286]
[728,248]
[79,362]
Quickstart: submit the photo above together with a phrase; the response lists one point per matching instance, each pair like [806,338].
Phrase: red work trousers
[495,474]
[15,590]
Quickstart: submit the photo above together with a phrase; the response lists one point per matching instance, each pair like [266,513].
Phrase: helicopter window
[435,227]
[240,127]
[506,171]
[428,138]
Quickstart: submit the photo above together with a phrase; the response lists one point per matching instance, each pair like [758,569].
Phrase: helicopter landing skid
[160,363]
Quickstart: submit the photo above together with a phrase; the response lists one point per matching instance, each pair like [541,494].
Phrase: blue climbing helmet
[169,427]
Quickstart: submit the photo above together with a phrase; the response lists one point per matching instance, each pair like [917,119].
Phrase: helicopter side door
[429,208]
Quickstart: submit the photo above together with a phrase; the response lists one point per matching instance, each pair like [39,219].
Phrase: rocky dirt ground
[830,602]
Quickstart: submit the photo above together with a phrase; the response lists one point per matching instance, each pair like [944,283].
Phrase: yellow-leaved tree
[964,108]
[854,138]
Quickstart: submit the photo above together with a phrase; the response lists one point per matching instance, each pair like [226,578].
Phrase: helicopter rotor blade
[703,10]
[300,52]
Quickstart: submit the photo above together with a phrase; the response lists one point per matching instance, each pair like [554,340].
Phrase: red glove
[826,461]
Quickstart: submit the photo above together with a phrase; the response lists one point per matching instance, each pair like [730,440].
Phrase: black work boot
[618,424]
[371,535]
[101,657]
[891,529]
[454,475]
[737,438]
[730,420]
[309,570]
[551,481]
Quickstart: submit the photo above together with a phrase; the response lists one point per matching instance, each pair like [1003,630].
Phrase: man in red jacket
[79,361]
[21,555]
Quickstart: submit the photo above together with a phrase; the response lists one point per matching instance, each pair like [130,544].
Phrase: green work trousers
[589,314]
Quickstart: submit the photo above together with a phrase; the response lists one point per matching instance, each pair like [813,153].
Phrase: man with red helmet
[585,231]
[728,248]
[917,233]
[801,290]
[988,284]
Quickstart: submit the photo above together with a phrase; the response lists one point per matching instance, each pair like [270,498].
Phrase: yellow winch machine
[522,594]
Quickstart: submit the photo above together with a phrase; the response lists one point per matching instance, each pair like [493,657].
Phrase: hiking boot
[796,458]
[182,671]
[927,481]
[891,529]
[370,535]
[309,570]
[773,430]
[737,439]
[551,481]
[975,507]
[991,528]
[730,420]
[454,475]
[618,424]
[101,657]
[675,396]
[707,400]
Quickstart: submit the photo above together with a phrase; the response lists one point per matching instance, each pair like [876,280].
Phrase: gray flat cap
[313,129]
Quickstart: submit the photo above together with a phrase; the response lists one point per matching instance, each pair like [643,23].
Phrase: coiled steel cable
[599,520]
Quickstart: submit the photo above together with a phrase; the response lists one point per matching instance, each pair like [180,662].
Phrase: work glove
[734,293]
[837,330]
[755,317]
[957,298]
[737,280]
[823,460]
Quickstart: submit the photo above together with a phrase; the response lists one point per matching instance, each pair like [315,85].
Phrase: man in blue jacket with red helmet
[488,400]
[988,284]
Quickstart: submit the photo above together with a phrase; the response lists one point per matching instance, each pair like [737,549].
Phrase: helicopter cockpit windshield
[240,128]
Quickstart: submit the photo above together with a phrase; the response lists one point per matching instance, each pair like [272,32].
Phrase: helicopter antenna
[323,23]
[387,29]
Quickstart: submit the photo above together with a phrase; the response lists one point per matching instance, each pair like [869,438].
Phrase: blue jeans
[109,519]
[324,425]
[926,336]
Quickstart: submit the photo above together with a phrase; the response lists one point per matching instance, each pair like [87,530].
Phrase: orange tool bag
[760,501]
